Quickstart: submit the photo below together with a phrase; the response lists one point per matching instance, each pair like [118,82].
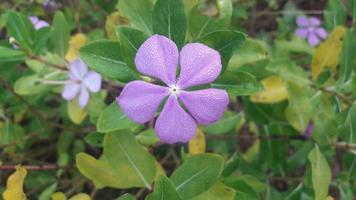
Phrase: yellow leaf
[329,198]
[59,196]
[328,53]
[112,21]
[14,185]
[80,196]
[275,90]
[197,143]
[75,112]
[75,43]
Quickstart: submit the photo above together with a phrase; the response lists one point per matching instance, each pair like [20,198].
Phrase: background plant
[289,131]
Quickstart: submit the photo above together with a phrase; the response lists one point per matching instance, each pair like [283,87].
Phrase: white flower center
[174,89]
[311,29]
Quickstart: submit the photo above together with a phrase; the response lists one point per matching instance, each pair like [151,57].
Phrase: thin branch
[34,167]
[60,67]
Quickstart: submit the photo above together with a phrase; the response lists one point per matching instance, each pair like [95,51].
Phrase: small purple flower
[310,29]
[49,5]
[80,82]
[158,57]
[309,130]
[37,23]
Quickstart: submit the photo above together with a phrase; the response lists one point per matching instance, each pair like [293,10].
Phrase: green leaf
[243,190]
[347,59]
[10,132]
[112,119]
[147,137]
[127,156]
[218,191]
[21,28]
[226,42]
[352,6]
[295,45]
[321,174]
[169,19]
[42,37]
[99,171]
[126,197]
[139,13]
[349,126]
[11,55]
[131,40]
[238,83]
[197,174]
[164,189]
[335,14]
[299,110]
[253,182]
[104,57]
[29,85]
[199,24]
[289,71]
[60,34]
[250,52]
[227,123]
[95,139]
[47,193]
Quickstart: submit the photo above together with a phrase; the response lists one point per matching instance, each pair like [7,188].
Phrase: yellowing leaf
[275,90]
[59,196]
[14,185]
[80,196]
[329,198]
[328,53]
[75,112]
[112,21]
[75,43]
[197,143]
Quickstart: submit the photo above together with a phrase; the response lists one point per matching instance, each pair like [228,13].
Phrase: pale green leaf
[321,174]
[197,174]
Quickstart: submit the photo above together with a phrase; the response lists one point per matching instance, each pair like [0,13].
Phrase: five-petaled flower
[198,65]
[80,83]
[310,29]
[37,23]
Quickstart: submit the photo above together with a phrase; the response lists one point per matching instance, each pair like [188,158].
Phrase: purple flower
[310,29]
[37,23]
[309,130]
[158,57]
[80,83]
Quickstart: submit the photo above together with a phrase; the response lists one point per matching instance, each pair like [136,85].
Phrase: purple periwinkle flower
[310,29]
[158,57]
[37,23]
[309,130]
[80,83]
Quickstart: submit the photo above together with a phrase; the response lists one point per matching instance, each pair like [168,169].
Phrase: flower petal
[206,106]
[174,124]
[313,21]
[77,69]
[313,39]
[302,21]
[33,19]
[140,100]
[70,91]
[40,24]
[302,32]
[83,98]
[158,57]
[92,81]
[199,64]
[321,33]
